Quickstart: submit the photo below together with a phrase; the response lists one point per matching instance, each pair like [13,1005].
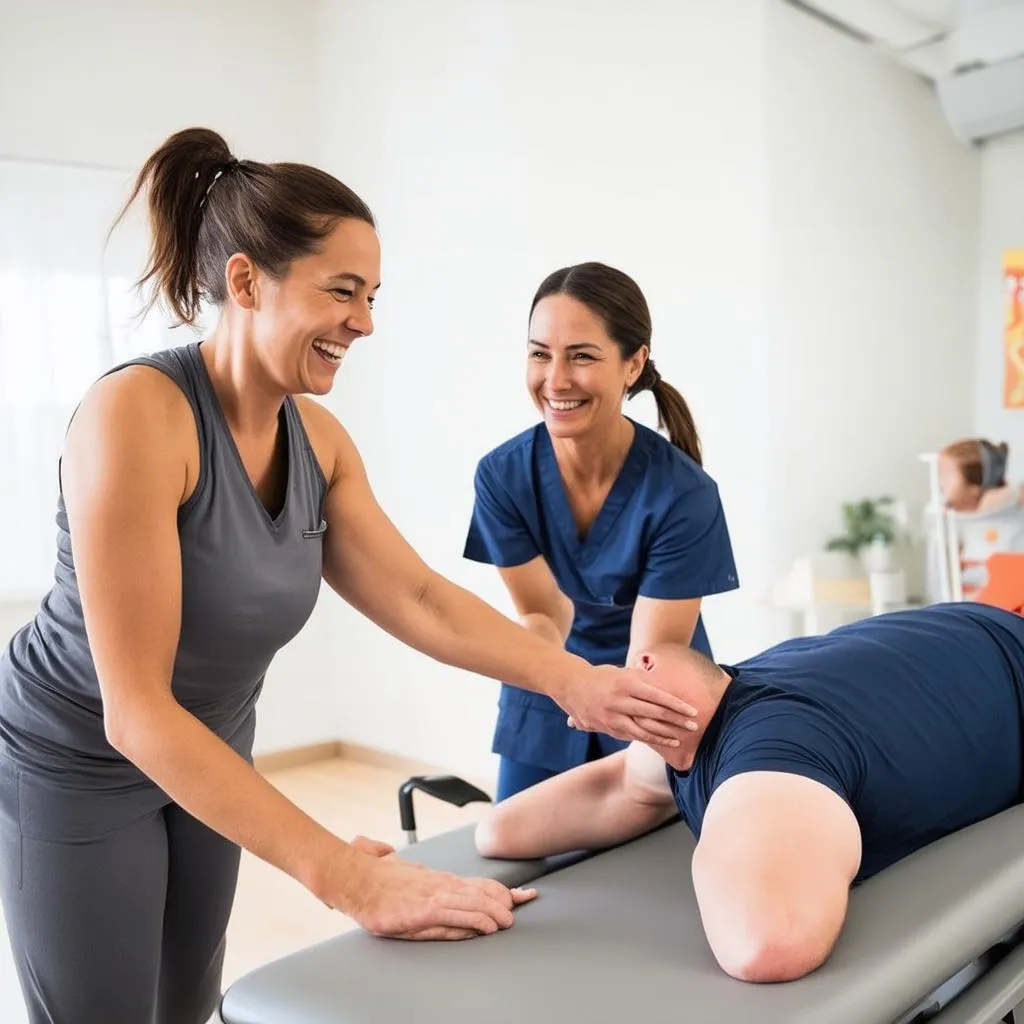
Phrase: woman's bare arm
[371,565]
[542,608]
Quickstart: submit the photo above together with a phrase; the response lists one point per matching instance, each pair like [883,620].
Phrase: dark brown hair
[981,463]
[205,206]
[616,298]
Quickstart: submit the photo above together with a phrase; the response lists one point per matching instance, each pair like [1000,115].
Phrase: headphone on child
[993,465]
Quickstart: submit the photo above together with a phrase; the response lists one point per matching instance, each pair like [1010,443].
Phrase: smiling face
[575,371]
[303,323]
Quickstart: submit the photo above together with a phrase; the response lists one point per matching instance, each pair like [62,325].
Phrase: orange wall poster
[1013,329]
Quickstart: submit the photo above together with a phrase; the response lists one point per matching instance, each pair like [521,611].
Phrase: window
[68,312]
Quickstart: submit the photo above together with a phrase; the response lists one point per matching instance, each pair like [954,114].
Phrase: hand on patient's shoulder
[400,900]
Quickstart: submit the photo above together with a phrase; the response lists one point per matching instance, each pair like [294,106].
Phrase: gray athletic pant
[116,901]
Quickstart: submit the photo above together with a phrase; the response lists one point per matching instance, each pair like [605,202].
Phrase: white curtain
[68,311]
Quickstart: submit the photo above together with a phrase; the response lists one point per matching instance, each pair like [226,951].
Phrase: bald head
[678,666]
[688,674]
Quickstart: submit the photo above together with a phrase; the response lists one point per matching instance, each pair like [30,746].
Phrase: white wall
[872,213]
[1002,228]
[695,149]
[104,83]
[497,142]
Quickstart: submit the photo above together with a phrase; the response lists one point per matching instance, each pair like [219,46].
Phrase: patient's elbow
[766,958]
[490,837]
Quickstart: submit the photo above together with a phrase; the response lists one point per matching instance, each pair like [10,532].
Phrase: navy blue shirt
[661,533]
[913,718]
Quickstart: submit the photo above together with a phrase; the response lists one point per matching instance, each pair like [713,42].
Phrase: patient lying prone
[817,764]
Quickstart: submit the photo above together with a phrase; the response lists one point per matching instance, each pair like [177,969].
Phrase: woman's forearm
[544,626]
[203,775]
[451,625]
[456,627]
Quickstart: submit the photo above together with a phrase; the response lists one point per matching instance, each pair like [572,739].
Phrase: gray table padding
[618,935]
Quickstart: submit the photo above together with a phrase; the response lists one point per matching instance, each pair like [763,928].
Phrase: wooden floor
[274,915]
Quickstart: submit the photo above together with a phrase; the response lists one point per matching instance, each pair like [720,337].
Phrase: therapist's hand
[623,704]
[395,899]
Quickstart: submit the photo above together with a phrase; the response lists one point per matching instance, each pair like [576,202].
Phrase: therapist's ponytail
[673,413]
[617,299]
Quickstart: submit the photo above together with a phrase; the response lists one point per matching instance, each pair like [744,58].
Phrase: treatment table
[616,937]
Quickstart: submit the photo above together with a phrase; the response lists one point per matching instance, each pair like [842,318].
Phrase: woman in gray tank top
[202,502]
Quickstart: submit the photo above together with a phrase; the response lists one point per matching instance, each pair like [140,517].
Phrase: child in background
[988,512]
[972,475]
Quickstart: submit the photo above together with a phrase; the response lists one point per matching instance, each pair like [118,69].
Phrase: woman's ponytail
[673,413]
[177,178]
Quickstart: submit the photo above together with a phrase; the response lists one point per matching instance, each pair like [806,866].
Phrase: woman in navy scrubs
[606,533]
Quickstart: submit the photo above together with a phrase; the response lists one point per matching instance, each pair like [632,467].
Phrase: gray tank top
[249,582]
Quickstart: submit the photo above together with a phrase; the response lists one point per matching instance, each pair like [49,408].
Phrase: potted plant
[870,533]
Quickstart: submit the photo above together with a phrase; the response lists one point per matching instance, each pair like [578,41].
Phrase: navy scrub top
[661,533]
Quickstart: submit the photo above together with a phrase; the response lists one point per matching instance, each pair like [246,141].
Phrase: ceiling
[913,31]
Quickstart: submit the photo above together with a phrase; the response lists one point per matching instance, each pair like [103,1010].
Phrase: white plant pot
[877,557]
[888,590]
